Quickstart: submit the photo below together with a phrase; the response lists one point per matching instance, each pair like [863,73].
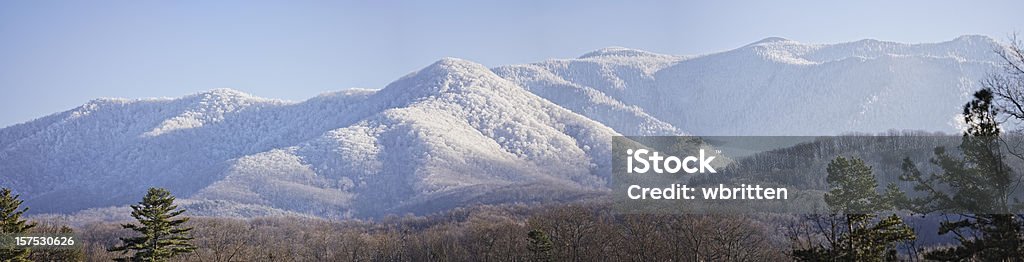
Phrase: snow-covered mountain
[453,130]
[771,87]
[457,133]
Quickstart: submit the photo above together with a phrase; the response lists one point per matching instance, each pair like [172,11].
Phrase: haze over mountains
[457,133]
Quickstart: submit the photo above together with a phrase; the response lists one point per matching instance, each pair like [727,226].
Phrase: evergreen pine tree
[162,234]
[979,185]
[853,195]
[11,223]
[540,245]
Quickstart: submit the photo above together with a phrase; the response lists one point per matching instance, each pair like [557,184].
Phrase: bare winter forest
[488,233]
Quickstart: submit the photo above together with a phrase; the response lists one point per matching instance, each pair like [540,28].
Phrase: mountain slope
[593,84]
[105,151]
[777,86]
[451,129]
[456,133]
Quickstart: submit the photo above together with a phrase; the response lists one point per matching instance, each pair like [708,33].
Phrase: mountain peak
[975,39]
[617,51]
[226,96]
[444,76]
[770,40]
[224,92]
[449,68]
[452,64]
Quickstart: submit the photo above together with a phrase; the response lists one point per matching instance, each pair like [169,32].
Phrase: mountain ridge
[457,133]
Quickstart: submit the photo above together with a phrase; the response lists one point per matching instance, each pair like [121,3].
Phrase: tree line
[554,232]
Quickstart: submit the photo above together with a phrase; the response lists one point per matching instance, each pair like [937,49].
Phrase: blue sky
[56,55]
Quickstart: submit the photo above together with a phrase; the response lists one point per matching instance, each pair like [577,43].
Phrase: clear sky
[56,55]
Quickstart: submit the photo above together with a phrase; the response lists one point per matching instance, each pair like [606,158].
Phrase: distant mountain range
[457,133]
